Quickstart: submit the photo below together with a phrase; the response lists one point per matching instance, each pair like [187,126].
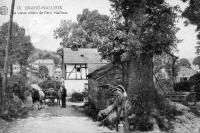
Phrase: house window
[76,71]
[182,79]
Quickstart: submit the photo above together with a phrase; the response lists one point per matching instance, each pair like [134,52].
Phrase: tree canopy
[145,27]
[196,61]
[192,14]
[43,72]
[184,62]
[86,33]
[21,47]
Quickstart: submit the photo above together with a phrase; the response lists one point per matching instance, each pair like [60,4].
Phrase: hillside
[44,54]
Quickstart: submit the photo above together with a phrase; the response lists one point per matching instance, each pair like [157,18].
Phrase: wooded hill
[44,54]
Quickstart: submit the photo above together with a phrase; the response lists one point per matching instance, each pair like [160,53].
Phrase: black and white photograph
[99,66]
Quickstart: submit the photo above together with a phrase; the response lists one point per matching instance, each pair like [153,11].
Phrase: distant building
[58,74]
[185,73]
[49,63]
[32,75]
[76,64]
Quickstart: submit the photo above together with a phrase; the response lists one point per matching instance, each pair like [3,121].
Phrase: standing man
[63,96]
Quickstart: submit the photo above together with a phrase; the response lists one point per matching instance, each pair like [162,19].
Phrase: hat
[120,88]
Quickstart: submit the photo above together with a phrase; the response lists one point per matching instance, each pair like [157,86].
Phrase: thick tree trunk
[141,88]
[125,74]
[140,75]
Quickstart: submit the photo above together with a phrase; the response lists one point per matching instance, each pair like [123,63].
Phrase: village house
[76,65]
[31,73]
[49,63]
[185,74]
[58,73]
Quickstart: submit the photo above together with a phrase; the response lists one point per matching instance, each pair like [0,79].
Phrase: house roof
[93,67]
[44,61]
[101,71]
[32,69]
[82,55]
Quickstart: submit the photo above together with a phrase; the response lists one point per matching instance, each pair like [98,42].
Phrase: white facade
[76,64]
[49,63]
[75,86]
[58,74]
[75,77]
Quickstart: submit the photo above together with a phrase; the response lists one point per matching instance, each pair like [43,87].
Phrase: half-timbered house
[76,65]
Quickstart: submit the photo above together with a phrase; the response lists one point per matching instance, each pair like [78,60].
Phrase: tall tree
[86,33]
[20,48]
[192,14]
[4,81]
[143,29]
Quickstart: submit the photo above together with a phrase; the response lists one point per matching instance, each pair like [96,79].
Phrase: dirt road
[56,120]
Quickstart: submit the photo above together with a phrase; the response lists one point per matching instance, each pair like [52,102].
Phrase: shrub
[195,81]
[77,97]
[183,86]
[13,108]
[90,110]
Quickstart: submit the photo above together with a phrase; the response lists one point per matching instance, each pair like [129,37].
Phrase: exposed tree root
[160,114]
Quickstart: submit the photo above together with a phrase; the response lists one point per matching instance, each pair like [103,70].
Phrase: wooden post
[4,81]
[126,123]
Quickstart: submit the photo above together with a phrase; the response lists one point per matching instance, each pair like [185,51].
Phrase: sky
[41,26]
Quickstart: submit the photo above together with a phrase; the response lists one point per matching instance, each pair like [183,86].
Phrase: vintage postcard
[99,66]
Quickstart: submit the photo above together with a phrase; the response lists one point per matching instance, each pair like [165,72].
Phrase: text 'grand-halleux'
[41,7]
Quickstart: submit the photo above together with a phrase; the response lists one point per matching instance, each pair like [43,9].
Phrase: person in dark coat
[63,97]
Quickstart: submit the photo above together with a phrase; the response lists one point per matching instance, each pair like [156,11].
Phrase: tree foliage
[51,56]
[86,33]
[43,54]
[142,27]
[21,47]
[165,62]
[184,62]
[192,14]
[43,72]
[196,61]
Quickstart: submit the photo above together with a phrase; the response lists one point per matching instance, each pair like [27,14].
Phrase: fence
[182,97]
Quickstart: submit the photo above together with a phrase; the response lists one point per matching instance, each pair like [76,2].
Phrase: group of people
[37,96]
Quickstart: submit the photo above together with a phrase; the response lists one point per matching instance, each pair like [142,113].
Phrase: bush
[195,81]
[17,85]
[77,97]
[183,86]
[186,86]
[90,110]
[13,108]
